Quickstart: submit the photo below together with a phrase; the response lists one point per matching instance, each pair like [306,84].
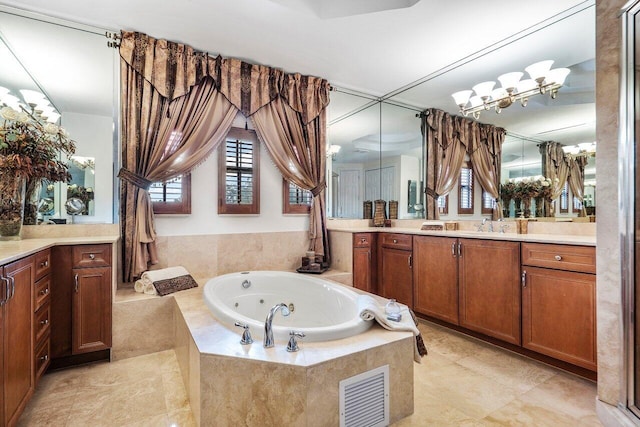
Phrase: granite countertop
[11,250]
[566,239]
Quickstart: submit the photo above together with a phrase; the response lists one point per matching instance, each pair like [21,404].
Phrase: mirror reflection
[75,70]
[568,120]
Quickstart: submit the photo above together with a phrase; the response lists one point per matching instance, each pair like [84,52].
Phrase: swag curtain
[556,167]
[576,179]
[485,151]
[444,155]
[447,139]
[178,105]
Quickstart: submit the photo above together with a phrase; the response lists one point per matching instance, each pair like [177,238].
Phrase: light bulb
[539,70]
[483,90]
[462,97]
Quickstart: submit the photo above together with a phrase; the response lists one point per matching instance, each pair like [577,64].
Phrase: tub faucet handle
[246,333]
[293,343]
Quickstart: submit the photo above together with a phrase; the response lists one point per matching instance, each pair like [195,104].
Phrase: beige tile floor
[462,382]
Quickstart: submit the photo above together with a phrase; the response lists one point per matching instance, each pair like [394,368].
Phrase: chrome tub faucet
[268,330]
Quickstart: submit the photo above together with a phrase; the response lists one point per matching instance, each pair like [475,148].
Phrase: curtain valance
[173,68]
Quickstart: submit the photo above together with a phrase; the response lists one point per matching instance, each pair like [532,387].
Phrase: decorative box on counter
[451,226]
[433,225]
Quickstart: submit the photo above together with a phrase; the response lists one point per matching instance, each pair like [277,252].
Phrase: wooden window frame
[461,210]
[575,201]
[175,208]
[289,208]
[483,209]
[225,208]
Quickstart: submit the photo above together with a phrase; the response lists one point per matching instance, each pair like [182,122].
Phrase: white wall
[204,218]
[94,138]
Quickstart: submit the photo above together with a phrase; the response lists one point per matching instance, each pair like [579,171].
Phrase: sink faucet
[484,221]
[268,331]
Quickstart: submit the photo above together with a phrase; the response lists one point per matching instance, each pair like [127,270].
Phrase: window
[443,204]
[239,173]
[295,200]
[172,197]
[577,205]
[488,203]
[564,199]
[465,190]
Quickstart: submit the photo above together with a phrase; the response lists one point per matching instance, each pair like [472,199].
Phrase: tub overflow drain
[292,307]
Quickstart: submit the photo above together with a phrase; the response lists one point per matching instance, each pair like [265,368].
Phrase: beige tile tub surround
[206,256]
[253,386]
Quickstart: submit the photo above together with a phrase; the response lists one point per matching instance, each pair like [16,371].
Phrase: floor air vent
[364,399]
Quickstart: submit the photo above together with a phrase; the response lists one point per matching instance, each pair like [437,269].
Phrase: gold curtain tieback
[135,179]
[431,193]
[315,191]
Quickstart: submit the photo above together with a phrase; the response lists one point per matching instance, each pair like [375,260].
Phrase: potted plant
[30,151]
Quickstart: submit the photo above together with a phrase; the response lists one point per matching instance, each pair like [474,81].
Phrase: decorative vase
[367,208]
[379,214]
[517,207]
[526,202]
[548,208]
[539,207]
[505,207]
[393,209]
[12,189]
[31,196]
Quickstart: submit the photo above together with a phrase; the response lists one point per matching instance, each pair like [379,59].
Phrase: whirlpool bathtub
[321,309]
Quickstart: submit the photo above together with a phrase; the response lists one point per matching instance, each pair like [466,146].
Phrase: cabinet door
[18,369]
[363,269]
[559,315]
[435,277]
[91,309]
[396,275]
[490,288]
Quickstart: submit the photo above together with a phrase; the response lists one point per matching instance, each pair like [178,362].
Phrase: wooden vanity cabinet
[16,350]
[559,302]
[395,267]
[435,277]
[364,262]
[490,288]
[42,313]
[81,299]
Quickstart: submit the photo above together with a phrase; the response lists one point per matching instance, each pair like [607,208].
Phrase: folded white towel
[139,286]
[145,283]
[371,310]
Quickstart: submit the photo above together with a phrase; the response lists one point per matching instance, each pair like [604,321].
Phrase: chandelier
[543,80]
[34,102]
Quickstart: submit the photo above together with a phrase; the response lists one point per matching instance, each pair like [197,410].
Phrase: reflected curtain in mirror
[555,166]
[576,180]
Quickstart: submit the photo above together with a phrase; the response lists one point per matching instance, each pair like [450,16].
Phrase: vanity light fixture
[587,149]
[32,101]
[542,80]
[333,149]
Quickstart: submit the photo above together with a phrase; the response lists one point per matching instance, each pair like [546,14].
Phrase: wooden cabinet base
[80,359]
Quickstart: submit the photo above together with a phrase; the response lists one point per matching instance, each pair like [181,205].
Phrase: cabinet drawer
[42,358]
[42,322]
[396,241]
[561,257]
[42,292]
[43,263]
[362,240]
[91,256]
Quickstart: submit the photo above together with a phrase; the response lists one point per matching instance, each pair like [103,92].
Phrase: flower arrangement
[508,190]
[29,150]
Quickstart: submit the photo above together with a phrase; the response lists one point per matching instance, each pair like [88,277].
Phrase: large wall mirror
[388,132]
[73,67]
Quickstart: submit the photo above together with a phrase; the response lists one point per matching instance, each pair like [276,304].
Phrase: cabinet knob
[395,241]
[363,240]
[44,264]
[45,358]
[92,256]
[558,258]
[44,322]
[45,291]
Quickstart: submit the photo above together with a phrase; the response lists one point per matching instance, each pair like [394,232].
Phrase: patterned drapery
[576,179]
[177,106]
[447,139]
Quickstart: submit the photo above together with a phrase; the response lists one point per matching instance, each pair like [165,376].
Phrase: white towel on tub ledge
[145,283]
[371,310]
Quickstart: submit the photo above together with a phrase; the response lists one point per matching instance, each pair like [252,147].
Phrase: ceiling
[410,52]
